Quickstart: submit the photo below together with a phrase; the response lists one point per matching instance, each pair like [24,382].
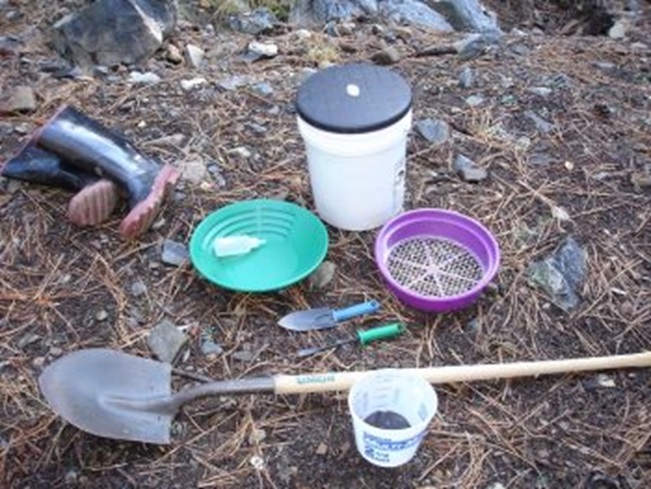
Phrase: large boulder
[306,13]
[413,12]
[310,12]
[466,15]
[438,15]
[112,32]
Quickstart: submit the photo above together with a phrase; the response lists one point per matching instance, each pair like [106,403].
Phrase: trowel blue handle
[356,310]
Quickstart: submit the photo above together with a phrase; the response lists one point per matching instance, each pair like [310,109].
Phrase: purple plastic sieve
[435,259]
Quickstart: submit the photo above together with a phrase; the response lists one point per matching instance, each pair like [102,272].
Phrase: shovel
[115,395]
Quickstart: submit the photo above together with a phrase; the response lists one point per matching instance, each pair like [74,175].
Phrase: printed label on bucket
[379,448]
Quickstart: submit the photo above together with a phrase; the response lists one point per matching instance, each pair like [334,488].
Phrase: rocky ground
[541,137]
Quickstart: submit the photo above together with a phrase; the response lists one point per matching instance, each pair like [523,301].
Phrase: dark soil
[567,431]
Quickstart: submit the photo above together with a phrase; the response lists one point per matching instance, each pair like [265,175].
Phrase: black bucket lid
[353,98]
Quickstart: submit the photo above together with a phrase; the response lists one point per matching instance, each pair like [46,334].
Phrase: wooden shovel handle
[341,381]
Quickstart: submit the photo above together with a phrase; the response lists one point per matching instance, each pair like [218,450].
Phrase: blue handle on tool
[356,310]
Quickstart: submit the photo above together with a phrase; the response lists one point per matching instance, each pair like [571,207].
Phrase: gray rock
[473,326]
[618,31]
[540,159]
[279,194]
[20,99]
[194,169]
[113,32]
[234,82]
[520,50]
[466,77]
[241,151]
[475,45]
[462,162]
[561,274]
[475,100]
[593,384]
[166,340]
[387,56]
[307,13]
[473,175]
[193,83]
[560,80]
[174,54]
[466,15]
[255,22]
[413,12]
[303,34]
[209,347]
[257,436]
[10,45]
[4,4]
[262,88]
[71,477]
[138,288]
[27,340]
[332,29]
[194,55]
[540,91]
[23,128]
[641,180]
[174,140]
[542,125]
[101,315]
[523,142]
[216,173]
[243,356]
[148,78]
[323,275]
[433,131]
[256,128]
[263,50]
[507,82]
[468,170]
[605,65]
[13,15]
[174,253]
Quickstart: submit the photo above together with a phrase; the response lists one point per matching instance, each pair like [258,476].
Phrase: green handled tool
[363,337]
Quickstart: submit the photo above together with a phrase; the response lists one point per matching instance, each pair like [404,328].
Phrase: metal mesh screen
[434,267]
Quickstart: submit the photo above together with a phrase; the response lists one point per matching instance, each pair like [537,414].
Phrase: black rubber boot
[36,165]
[89,145]
[95,199]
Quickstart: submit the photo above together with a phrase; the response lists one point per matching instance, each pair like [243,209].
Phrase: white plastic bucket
[357,180]
[404,404]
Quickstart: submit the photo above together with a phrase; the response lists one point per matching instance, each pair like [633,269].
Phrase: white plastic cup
[357,180]
[397,393]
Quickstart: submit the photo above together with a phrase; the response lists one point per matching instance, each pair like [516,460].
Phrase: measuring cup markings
[390,427]
[375,442]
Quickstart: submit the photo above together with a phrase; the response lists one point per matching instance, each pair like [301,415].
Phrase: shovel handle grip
[341,381]
[356,310]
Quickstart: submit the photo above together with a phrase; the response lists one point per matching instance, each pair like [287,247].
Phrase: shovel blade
[106,392]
